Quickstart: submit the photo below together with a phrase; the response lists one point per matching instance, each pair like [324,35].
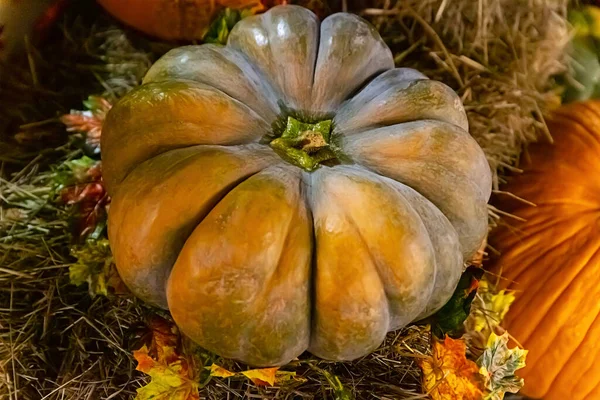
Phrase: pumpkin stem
[304,145]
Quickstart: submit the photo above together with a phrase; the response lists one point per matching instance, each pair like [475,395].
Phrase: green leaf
[97,105]
[592,14]
[585,21]
[73,171]
[586,70]
[490,311]
[92,266]
[80,164]
[580,23]
[340,392]
[584,81]
[498,364]
[221,26]
[449,320]
[98,231]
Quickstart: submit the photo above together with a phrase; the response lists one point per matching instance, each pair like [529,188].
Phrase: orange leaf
[448,375]
[145,362]
[262,377]
[173,375]
[169,381]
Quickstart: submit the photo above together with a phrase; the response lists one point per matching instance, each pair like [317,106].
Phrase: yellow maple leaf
[169,380]
[448,375]
[262,377]
[220,372]
[491,308]
[93,264]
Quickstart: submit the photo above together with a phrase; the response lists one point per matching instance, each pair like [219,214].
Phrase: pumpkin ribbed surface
[553,258]
[292,190]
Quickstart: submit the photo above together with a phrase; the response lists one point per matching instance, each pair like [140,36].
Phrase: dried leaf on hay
[93,266]
[449,375]
[260,377]
[489,309]
[163,338]
[173,373]
[80,184]
[170,380]
[498,365]
[220,372]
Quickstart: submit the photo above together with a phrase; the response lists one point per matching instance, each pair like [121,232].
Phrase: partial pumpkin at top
[172,19]
[292,190]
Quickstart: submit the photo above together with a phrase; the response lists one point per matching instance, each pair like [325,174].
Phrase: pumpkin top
[283,64]
[305,145]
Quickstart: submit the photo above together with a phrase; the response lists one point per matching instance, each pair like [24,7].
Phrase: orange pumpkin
[553,258]
[172,19]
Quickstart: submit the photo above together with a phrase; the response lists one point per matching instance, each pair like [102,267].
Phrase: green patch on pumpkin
[305,145]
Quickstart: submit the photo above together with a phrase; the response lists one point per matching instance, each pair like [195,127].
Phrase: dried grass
[501,56]
[58,343]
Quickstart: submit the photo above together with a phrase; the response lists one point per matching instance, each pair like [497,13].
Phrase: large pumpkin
[172,19]
[265,235]
[552,259]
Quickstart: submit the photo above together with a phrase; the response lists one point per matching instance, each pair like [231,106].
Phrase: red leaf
[164,340]
[91,198]
[82,122]
[93,191]
[88,122]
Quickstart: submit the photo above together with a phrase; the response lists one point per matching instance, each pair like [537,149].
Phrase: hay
[501,56]
[56,342]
